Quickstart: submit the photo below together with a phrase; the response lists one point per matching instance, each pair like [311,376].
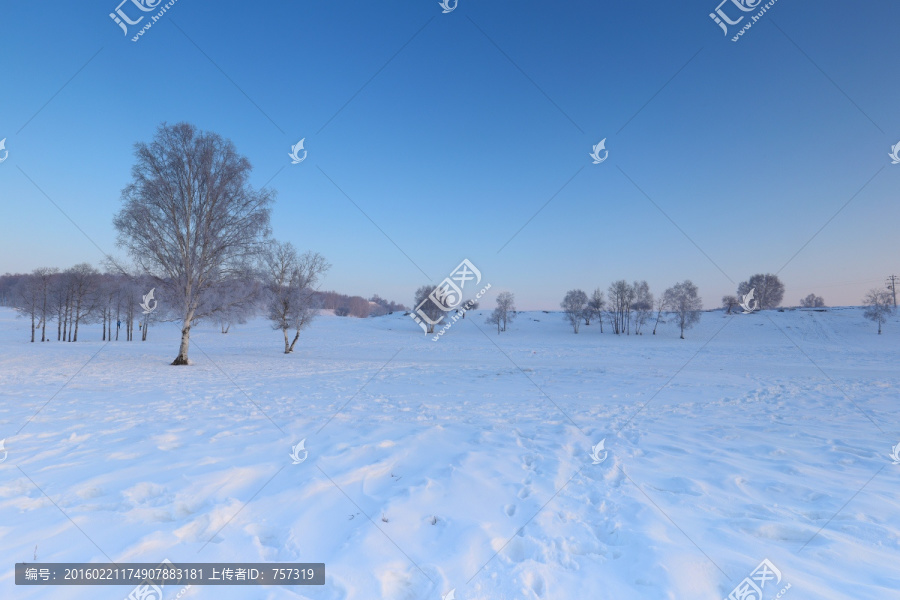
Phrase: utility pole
[892,285]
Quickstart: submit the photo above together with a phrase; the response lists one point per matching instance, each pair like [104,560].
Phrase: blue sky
[452,131]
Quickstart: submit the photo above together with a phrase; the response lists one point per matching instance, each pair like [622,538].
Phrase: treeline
[124,303]
[74,297]
[628,307]
[357,306]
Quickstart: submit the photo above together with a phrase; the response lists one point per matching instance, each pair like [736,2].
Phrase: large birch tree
[191,220]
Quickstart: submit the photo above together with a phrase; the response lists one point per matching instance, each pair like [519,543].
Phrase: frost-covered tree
[291,281]
[467,306]
[729,303]
[504,312]
[384,306]
[573,307]
[768,290]
[33,298]
[621,295]
[596,305]
[60,299]
[812,301]
[432,311]
[133,292]
[358,307]
[642,305]
[879,306]
[191,220]
[683,300]
[238,303]
[662,305]
[108,291]
[83,284]
[45,277]
[27,301]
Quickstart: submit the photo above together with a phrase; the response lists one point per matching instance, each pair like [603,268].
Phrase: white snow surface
[464,464]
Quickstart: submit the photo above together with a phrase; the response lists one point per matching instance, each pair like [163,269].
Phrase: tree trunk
[103,318]
[182,358]
[287,345]
[296,337]
[32,327]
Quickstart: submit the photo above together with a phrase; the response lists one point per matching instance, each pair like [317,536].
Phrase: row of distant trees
[357,306]
[768,291]
[282,288]
[75,297]
[629,307]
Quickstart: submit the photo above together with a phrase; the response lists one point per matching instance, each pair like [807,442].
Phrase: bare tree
[108,290]
[683,300]
[45,277]
[291,287]
[384,306]
[573,307]
[879,306]
[422,302]
[467,306]
[60,300]
[812,301]
[729,303]
[358,307]
[132,295]
[596,305]
[191,220]
[768,290]
[33,298]
[505,311]
[662,305]
[621,295]
[642,306]
[8,283]
[238,302]
[83,280]
[148,317]
[27,300]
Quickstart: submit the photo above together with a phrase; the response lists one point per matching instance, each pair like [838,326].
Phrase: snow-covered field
[464,463]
